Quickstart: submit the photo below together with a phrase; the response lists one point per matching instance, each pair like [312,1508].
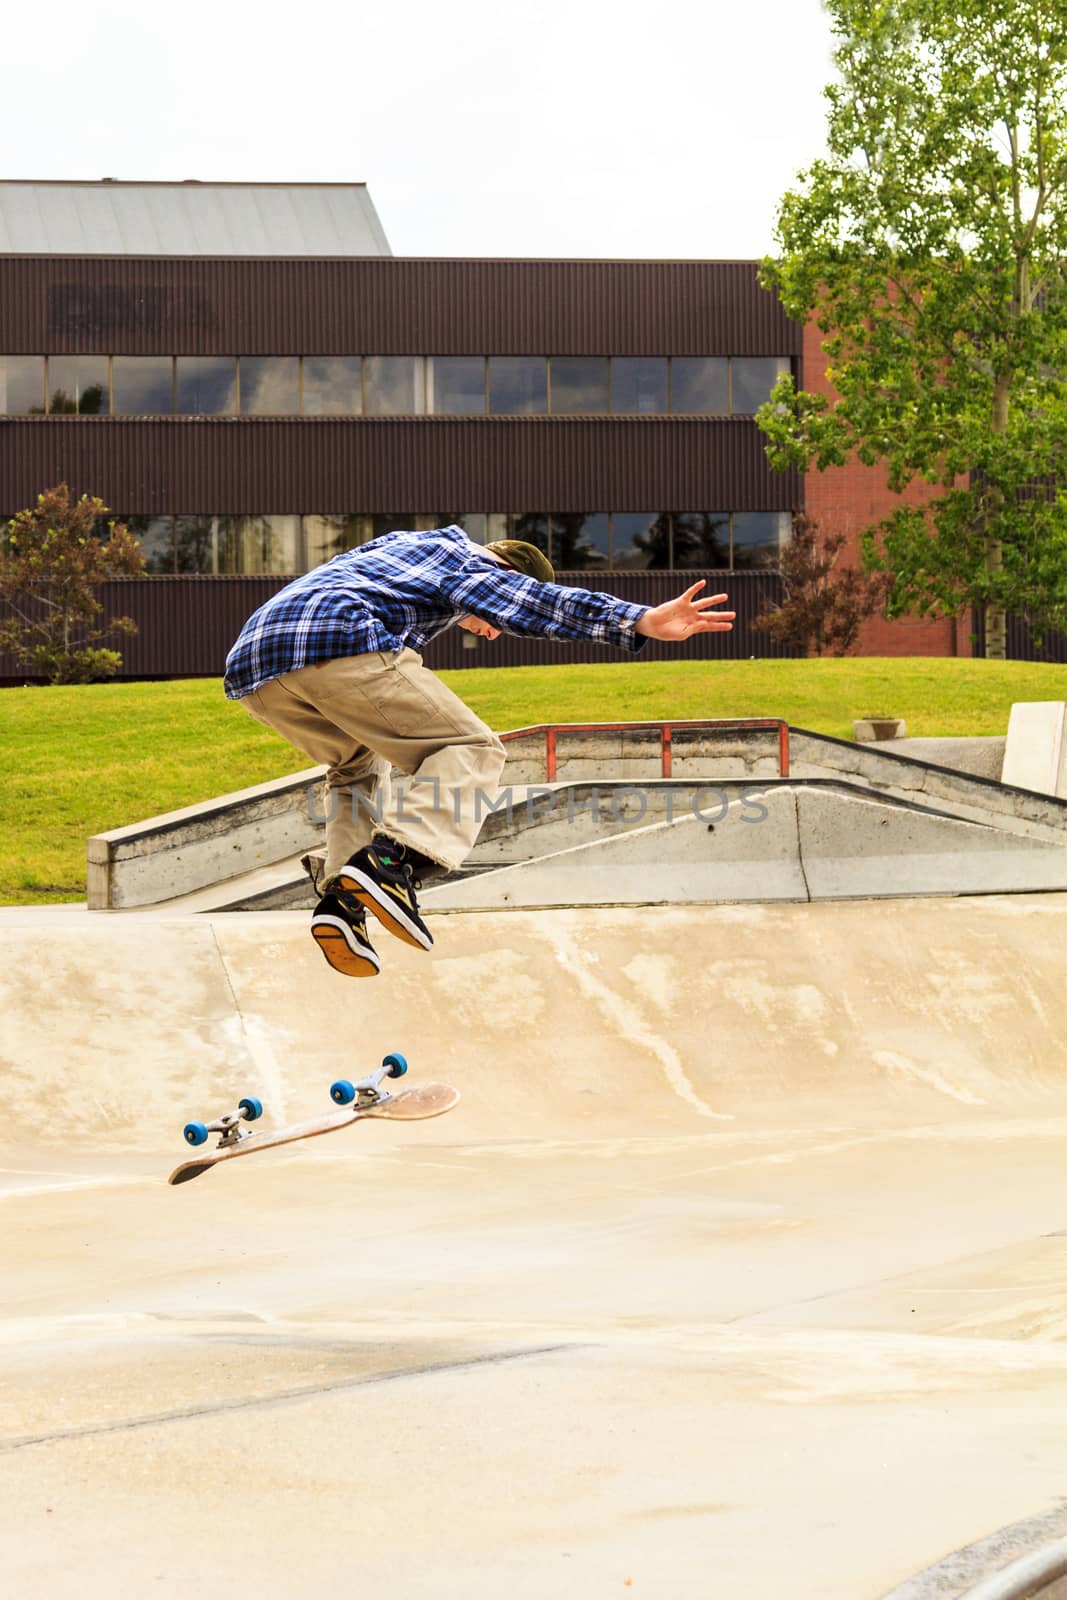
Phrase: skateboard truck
[365,1092]
[229,1126]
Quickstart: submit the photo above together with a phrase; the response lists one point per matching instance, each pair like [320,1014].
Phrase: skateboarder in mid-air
[331,663]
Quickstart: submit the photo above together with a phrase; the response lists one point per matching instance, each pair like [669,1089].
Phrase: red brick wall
[847,500]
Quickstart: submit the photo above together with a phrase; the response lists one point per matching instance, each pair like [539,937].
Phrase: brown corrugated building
[248,378]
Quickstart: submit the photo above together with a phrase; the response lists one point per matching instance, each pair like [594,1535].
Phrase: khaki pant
[359,715]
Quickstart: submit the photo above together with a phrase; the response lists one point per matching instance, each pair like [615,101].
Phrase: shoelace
[349,901]
[405,869]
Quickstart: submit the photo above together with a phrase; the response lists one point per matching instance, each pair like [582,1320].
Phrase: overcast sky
[642,128]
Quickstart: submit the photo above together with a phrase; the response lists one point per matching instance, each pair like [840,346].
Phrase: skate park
[737,1269]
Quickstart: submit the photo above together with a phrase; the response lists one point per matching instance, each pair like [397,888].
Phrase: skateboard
[358,1100]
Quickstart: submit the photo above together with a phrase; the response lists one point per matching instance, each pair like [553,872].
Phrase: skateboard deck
[410,1105]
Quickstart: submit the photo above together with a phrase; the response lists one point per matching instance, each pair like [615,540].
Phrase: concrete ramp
[815,841]
[738,1269]
[558,1023]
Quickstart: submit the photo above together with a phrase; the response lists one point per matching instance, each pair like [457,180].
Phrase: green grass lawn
[78,761]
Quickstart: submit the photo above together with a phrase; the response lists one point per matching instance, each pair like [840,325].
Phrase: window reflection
[758,537]
[78,386]
[753,378]
[327,536]
[580,540]
[142,386]
[638,384]
[201,543]
[263,544]
[205,386]
[473,523]
[270,386]
[388,522]
[640,539]
[579,384]
[156,538]
[333,386]
[21,385]
[518,385]
[700,384]
[701,539]
[394,386]
[574,541]
[456,385]
[531,526]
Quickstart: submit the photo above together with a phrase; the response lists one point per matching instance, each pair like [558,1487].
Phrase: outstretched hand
[679,619]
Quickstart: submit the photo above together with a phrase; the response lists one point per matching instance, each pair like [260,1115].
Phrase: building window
[394,386]
[270,386]
[751,380]
[700,384]
[579,385]
[266,544]
[198,543]
[78,386]
[701,539]
[388,385]
[757,540]
[575,541]
[327,535]
[475,524]
[456,385]
[518,385]
[205,386]
[380,522]
[142,386]
[531,526]
[640,539]
[580,540]
[639,384]
[156,538]
[333,386]
[22,391]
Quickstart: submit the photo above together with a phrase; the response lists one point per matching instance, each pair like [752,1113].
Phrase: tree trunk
[996,618]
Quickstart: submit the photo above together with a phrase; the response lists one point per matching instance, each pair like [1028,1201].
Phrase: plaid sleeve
[520,605]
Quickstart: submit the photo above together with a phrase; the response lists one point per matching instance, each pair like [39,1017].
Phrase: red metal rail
[666,731]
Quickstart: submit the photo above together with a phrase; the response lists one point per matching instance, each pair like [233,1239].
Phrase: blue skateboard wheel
[396,1063]
[251,1107]
[343,1092]
[195,1133]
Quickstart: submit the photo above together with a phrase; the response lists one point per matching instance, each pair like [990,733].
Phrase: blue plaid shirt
[403,589]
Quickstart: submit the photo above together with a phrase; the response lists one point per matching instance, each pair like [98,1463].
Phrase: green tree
[52,561]
[930,246]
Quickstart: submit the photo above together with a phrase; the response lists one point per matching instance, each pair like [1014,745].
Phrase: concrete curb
[1022,1553]
[1026,1579]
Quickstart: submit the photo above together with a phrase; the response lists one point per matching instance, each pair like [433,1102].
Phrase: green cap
[524,558]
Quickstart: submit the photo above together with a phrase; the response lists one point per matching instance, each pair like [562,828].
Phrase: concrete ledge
[181,851]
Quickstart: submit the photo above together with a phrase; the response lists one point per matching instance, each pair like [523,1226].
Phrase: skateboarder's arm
[520,605]
[517,604]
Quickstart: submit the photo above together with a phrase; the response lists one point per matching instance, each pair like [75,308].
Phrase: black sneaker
[381,876]
[339,928]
